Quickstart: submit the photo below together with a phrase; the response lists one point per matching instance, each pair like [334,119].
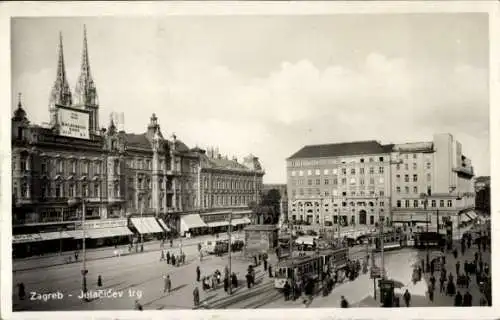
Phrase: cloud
[273,116]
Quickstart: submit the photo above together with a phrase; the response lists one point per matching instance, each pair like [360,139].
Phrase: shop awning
[218,223]
[77,234]
[164,225]
[192,221]
[45,236]
[108,232]
[465,218]
[25,238]
[240,221]
[472,214]
[146,225]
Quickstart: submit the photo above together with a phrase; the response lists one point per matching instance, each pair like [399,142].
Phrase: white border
[59,9]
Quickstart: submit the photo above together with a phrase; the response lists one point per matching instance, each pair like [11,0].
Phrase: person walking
[234,280]
[162,256]
[286,291]
[457,268]
[407,298]
[467,301]
[343,302]
[167,284]
[173,260]
[21,291]
[168,257]
[226,284]
[198,273]
[458,299]
[99,281]
[196,297]
[137,305]
[270,270]
[430,291]
[76,256]
[441,284]
[265,264]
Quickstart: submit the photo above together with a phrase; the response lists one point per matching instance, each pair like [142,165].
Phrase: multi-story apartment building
[117,174]
[361,183]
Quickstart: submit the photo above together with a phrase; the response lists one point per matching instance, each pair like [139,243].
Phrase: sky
[269,85]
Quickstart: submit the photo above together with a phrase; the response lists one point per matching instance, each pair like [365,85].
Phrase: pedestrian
[270,269]
[198,273]
[467,301]
[226,284]
[343,302]
[286,291]
[458,300]
[99,281]
[255,260]
[455,253]
[183,257]
[430,290]
[199,247]
[433,282]
[173,260]
[137,306]
[167,284]
[407,298]
[21,291]
[441,284]
[249,280]
[76,256]
[171,243]
[162,256]
[432,267]
[265,264]
[234,280]
[196,297]
[457,268]
[168,257]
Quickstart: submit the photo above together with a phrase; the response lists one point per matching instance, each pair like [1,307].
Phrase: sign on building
[73,123]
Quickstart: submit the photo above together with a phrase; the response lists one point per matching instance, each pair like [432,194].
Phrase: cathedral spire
[85,91]
[61,94]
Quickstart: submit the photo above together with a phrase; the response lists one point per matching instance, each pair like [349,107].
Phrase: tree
[272,200]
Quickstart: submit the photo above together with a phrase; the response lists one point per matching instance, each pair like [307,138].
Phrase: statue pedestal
[260,238]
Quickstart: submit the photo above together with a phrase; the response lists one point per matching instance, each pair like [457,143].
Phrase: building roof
[137,140]
[342,149]
[223,163]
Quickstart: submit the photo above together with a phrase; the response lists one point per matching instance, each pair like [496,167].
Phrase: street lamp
[229,231]
[74,202]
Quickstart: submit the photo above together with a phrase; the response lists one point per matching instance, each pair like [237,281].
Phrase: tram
[392,241]
[311,266]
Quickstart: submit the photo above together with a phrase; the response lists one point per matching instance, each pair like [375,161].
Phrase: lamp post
[60,241]
[84,271]
[229,231]
[142,222]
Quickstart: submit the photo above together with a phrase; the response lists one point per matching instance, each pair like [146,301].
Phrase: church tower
[60,94]
[85,91]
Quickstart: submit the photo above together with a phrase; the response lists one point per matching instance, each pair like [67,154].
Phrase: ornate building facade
[117,174]
[361,183]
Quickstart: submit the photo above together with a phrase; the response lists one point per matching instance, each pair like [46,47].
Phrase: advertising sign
[73,123]
[98,224]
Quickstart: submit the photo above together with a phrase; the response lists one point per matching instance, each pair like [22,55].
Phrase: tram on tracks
[311,266]
[392,241]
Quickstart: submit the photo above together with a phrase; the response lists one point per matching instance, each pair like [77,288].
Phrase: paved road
[128,274]
[103,253]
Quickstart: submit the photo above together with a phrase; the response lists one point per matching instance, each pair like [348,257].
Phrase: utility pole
[229,230]
[84,271]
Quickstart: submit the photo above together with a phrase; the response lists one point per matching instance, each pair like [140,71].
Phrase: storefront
[193,225]
[147,227]
[99,233]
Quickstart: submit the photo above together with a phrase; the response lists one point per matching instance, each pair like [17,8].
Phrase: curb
[228,300]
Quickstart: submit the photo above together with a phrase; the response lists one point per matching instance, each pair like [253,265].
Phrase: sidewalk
[39,262]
